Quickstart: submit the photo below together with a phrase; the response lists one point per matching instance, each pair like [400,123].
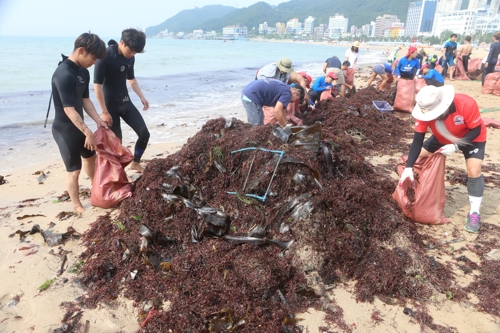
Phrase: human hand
[107,119]
[145,103]
[90,141]
[407,173]
[419,76]
[448,150]
[101,123]
[328,88]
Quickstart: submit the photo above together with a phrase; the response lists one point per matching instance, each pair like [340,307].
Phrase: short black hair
[346,63]
[134,39]
[468,38]
[112,42]
[301,90]
[92,44]
[453,35]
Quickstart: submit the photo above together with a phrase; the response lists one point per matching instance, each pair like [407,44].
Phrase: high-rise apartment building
[477,4]
[420,17]
[383,22]
[309,25]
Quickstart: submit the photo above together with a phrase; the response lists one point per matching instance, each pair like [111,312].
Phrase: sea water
[186,83]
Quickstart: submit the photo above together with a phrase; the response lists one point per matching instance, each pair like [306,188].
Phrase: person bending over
[321,84]
[334,65]
[111,76]
[384,71]
[456,125]
[431,76]
[70,91]
[269,92]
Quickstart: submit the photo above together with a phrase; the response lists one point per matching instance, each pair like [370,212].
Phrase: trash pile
[247,226]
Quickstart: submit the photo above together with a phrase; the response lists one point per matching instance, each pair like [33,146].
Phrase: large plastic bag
[424,200]
[489,82]
[110,185]
[419,84]
[460,70]
[405,96]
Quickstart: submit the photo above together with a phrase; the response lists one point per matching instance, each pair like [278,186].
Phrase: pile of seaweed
[222,236]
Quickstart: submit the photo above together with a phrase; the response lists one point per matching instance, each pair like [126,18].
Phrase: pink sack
[474,64]
[387,84]
[419,84]
[349,76]
[490,82]
[327,94]
[424,200]
[460,70]
[405,96]
[496,88]
[491,122]
[110,185]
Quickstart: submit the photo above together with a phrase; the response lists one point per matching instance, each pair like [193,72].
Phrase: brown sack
[474,64]
[349,76]
[405,96]
[424,200]
[110,185]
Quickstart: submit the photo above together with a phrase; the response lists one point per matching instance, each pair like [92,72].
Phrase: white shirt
[351,56]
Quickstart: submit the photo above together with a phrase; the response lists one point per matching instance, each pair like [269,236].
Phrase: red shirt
[465,118]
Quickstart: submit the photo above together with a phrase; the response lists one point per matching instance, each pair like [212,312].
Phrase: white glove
[407,173]
[448,150]
[419,76]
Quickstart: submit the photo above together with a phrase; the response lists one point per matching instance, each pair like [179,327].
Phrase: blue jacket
[433,74]
[320,84]
[407,67]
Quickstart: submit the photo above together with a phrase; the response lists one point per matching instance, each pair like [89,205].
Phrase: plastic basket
[382,106]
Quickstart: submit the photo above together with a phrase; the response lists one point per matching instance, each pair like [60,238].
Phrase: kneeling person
[431,76]
[321,84]
[269,92]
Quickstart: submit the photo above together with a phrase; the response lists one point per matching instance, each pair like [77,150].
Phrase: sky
[107,18]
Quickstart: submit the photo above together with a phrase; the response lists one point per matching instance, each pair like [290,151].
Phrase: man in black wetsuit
[110,84]
[492,59]
[70,88]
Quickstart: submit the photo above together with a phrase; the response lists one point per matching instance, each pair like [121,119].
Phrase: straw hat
[355,44]
[432,102]
[285,65]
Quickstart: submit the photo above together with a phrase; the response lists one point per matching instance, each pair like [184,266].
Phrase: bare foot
[137,167]
[79,209]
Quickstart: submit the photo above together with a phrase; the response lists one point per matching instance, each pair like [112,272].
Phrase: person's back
[280,70]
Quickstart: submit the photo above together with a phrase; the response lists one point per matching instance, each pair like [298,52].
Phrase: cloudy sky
[106,18]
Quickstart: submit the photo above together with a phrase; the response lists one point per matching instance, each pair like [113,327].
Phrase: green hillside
[359,12]
[186,20]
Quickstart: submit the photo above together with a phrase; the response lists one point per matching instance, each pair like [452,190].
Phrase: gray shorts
[379,69]
[255,115]
[338,72]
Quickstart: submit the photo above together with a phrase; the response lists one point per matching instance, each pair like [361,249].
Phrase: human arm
[280,113]
[299,79]
[99,94]
[415,148]
[135,87]
[89,108]
[325,66]
[90,142]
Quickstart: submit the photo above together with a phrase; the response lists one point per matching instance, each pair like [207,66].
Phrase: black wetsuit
[492,59]
[113,72]
[70,85]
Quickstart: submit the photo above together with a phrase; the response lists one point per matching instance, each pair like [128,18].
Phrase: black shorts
[473,150]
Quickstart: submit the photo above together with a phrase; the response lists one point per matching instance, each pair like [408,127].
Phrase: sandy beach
[26,200]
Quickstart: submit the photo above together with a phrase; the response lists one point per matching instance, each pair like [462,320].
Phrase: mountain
[189,18]
[359,12]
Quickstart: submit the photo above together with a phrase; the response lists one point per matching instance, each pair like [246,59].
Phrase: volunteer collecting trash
[408,66]
[456,124]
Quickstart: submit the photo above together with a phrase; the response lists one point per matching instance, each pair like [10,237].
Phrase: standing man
[492,58]
[269,92]
[456,125]
[394,54]
[70,89]
[334,65]
[465,52]
[449,50]
[110,84]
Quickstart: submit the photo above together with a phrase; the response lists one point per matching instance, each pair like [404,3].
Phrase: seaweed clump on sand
[218,237]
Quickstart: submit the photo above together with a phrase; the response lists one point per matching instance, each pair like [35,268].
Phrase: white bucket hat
[432,102]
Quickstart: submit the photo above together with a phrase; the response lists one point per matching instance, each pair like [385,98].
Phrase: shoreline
[23,273]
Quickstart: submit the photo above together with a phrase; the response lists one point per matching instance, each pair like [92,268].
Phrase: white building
[477,4]
[235,32]
[420,17]
[293,23]
[489,23]
[263,27]
[460,22]
[338,24]
[309,25]
[197,33]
